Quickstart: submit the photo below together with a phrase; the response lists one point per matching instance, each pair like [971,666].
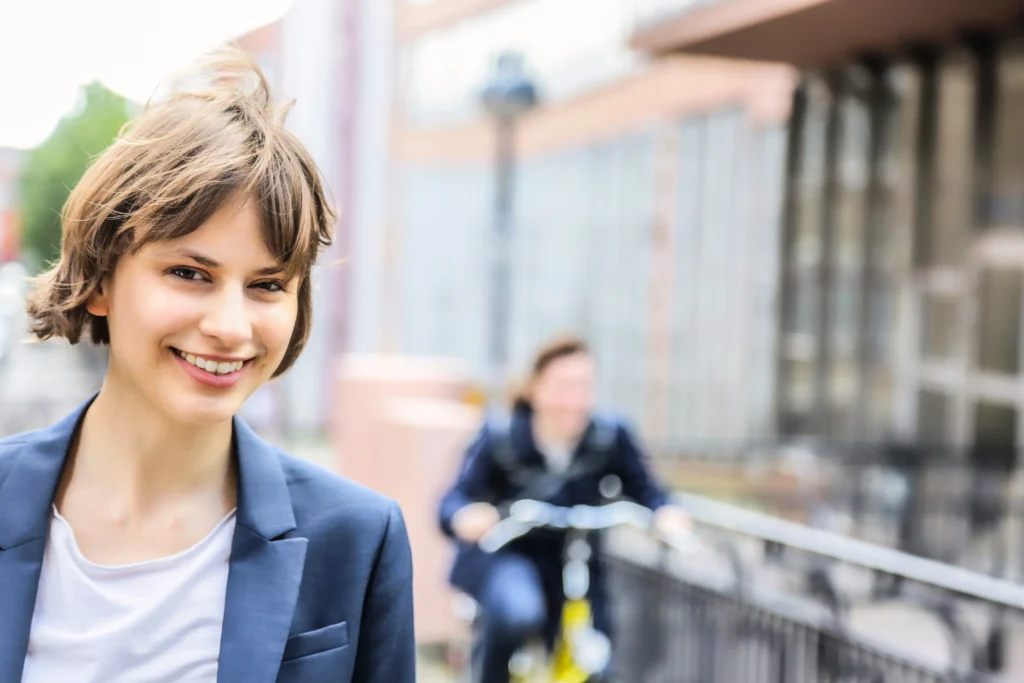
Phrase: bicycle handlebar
[526,515]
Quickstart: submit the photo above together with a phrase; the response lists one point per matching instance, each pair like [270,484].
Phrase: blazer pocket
[314,642]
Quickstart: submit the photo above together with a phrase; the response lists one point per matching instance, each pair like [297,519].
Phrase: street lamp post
[508,95]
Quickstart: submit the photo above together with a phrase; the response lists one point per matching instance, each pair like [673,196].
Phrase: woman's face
[198,323]
[563,394]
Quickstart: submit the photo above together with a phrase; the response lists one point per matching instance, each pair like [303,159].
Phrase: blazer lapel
[26,497]
[266,569]
[19,576]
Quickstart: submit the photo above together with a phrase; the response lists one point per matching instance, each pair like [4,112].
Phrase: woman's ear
[98,304]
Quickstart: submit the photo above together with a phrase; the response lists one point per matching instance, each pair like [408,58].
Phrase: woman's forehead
[570,365]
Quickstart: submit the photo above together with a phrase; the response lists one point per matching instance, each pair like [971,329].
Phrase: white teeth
[211,366]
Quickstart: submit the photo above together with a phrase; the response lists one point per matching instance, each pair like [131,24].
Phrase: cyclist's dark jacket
[484,477]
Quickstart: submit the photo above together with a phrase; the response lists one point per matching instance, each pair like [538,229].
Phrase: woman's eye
[186,273]
[271,285]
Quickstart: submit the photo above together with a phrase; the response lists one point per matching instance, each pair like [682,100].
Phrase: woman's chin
[203,411]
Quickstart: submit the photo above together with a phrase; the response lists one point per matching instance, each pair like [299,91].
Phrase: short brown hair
[217,135]
[554,349]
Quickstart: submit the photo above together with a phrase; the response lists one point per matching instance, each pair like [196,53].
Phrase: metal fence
[778,602]
[960,506]
[692,634]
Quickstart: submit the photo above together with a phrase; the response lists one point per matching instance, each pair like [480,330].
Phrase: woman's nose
[227,319]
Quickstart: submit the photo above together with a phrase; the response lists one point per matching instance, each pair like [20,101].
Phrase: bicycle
[581,653]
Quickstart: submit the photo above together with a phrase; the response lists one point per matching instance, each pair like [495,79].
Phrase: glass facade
[585,244]
[903,283]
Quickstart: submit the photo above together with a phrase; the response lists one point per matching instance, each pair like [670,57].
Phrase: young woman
[151,535]
[553,424]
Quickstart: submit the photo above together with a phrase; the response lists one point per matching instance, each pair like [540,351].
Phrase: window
[999,319]
[995,425]
[840,259]
[801,340]
[1006,201]
[847,297]
[939,325]
[934,412]
[945,243]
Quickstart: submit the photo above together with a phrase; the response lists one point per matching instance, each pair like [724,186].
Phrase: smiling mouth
[211,366]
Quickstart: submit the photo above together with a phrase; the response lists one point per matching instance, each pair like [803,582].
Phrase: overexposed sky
[49,48]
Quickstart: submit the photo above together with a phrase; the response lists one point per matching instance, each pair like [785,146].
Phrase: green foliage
[51,170]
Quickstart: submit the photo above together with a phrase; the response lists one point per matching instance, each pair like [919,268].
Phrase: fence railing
[959,506]
[771,600]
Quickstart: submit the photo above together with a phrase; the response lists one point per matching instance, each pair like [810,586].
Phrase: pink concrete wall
[421,449]
[364,384]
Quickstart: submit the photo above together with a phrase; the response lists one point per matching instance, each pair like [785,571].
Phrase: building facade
[903,248]
[646,209]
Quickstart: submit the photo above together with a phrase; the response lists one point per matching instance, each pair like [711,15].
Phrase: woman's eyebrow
[213,264]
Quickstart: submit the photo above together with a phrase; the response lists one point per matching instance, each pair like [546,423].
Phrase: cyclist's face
[215,298]
[563,394]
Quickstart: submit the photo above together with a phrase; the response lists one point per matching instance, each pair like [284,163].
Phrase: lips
[214,367]
[212,380]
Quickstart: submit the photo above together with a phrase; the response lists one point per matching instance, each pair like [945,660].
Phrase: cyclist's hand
[474,520]
[672,521]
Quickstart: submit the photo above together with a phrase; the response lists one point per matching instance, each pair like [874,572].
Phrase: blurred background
[792,230]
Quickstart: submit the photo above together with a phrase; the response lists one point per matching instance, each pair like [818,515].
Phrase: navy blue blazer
[320,580]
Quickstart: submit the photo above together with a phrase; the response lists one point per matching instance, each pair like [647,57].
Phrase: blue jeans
[514,609]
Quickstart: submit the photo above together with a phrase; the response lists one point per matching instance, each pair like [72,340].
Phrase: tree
[50,171]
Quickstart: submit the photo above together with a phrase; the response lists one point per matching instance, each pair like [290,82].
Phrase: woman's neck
[548,436]
[129,453]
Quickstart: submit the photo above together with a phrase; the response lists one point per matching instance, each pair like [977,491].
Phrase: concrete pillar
[422,446]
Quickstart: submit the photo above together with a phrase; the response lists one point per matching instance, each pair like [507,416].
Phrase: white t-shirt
[557,457]
[157,621]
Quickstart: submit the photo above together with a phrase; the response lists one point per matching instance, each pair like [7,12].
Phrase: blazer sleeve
[632,467]
[478,480]
[387,641]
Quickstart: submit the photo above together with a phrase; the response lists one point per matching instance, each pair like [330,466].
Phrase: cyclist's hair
[214,135]
[554,349]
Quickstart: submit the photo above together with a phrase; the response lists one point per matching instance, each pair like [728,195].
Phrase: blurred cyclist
[554,448]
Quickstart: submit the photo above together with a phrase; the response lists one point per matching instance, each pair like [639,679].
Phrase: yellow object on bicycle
[576,619]
[563,666]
